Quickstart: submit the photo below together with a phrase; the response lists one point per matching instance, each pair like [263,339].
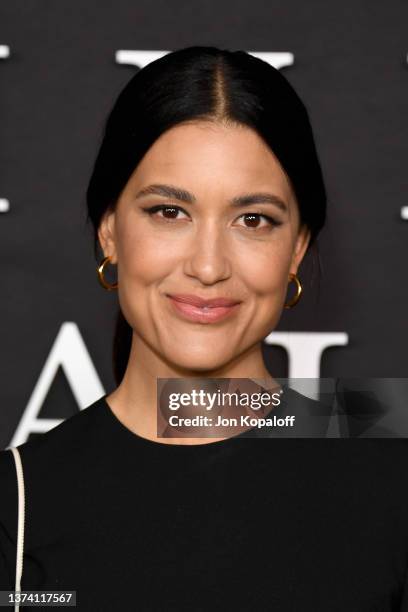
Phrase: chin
[198,363]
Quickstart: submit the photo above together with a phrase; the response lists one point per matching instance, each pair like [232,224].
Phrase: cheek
[143,262]
[264,271]
[143,257]
[264,278]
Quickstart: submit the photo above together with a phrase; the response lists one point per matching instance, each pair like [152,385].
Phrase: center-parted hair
[212,84]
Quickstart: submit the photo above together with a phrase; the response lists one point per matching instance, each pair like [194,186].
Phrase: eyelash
[150,211]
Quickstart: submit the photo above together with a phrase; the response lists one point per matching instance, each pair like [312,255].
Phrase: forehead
[212,158]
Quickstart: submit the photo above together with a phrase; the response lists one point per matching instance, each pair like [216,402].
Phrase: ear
[107,236]
[302,242]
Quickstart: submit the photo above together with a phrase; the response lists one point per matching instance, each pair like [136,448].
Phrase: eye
[253,217]
[172,210]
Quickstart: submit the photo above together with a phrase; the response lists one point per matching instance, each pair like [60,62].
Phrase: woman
[207,185]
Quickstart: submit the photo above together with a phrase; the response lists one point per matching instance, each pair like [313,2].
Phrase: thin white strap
[21,518]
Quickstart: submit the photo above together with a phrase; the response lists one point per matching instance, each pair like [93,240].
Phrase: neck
[134,402]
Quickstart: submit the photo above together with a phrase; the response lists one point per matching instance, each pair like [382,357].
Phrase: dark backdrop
[59,78]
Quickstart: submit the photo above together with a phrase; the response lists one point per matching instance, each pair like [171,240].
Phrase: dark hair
[204,83]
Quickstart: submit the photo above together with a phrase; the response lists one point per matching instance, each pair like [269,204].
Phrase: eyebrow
[169,191]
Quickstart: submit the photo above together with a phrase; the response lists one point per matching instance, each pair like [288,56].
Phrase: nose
[207,257]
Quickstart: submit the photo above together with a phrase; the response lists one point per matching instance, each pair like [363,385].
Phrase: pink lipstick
[201,310]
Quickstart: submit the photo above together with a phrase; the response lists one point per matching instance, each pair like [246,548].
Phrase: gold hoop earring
[101,277]
[296,298]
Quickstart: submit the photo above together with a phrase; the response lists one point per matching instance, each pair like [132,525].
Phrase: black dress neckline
[134,437]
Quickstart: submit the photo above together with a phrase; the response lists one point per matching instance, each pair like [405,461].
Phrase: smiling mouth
[202,314]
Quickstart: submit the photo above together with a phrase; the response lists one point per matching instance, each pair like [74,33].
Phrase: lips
[210,312]
[198,302]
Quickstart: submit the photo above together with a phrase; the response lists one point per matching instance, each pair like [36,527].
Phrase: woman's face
[202,243]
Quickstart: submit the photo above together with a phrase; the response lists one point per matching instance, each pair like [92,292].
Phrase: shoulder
[50,459]
[70,438]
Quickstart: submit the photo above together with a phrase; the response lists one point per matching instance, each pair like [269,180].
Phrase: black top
[240,524]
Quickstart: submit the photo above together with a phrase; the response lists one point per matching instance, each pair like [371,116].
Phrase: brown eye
[169,213]
[252,221]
